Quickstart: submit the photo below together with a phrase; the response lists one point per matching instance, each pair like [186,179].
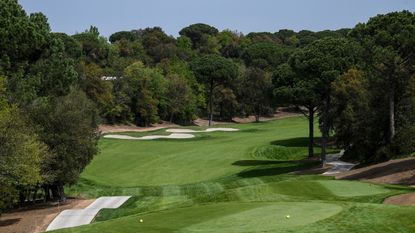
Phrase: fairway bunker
[176,134]
[202,131]
[151,137]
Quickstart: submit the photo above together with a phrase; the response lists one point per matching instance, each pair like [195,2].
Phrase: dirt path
[36,218]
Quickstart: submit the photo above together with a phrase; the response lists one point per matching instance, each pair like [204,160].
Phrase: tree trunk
[210,103]
[61,193]
[258,113]
[391,113]
[48,194]
[325,130]
[171,117]
[324,145]
[310,132]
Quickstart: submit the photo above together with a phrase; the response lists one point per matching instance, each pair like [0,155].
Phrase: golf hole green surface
[343,188]
[242,217]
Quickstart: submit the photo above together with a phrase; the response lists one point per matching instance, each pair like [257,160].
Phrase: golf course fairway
[240,181]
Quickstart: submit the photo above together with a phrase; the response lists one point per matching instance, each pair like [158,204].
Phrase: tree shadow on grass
[272,168]
[252,130]
[258,162]
[294,142]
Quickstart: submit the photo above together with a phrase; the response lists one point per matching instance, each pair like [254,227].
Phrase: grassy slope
[232,182]
[207,157]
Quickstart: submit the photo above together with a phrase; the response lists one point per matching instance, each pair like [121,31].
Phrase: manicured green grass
[209,156]
[232,182]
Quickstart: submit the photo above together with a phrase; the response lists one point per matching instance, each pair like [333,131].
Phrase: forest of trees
[56,88]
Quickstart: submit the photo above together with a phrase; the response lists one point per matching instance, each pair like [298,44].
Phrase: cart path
[338,165]
[78,217]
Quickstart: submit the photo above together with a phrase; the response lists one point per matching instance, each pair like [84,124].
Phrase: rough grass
[232,182]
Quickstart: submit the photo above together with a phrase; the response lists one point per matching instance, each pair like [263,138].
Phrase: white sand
[171,136]
[221,129]
[201,131]
[176,134]
[151,137]
[182,131]
[119,136]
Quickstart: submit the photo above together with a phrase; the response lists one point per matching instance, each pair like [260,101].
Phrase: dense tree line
[55,88]
[48,125]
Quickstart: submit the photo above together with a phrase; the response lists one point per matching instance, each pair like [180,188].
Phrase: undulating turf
[232,182]
[208,156]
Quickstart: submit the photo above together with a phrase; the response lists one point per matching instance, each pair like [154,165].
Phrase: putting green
[343,188]
[221,217]
[269,218]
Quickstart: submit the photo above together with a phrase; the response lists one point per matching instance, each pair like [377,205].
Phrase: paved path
[78,217]
[338,165]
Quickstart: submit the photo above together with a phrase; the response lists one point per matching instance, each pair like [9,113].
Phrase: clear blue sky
[71,16]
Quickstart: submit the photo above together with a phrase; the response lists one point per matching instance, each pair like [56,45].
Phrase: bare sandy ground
[404,199]
[105,128]
[399,171]
[36,218]
[279,114]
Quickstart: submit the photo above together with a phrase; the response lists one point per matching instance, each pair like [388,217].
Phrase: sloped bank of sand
[175,134]
[151,137]
[202,131]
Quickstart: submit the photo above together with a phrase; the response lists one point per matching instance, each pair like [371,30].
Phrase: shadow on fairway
[258,162]
[272,168]
[294,142]
[252,130]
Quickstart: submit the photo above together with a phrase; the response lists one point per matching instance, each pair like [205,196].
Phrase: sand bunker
[202,131]
[176,134]
[150,137]
[171,136]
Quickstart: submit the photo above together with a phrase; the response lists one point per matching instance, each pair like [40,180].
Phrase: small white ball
[141,220]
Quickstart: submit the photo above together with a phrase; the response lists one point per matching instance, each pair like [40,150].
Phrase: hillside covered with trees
[56,88]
